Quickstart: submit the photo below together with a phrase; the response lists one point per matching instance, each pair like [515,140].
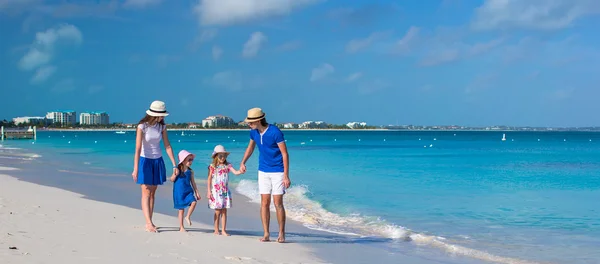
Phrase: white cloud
[140,3]
[355,76]
[321,72]
[441,56]
[217,52]
[252,46]
[229,80]
[532,14]
[42,74]
[483,47]
[405,43]
[43,48]
[225,12]
[356,45]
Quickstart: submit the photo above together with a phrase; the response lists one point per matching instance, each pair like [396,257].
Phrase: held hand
[176,171]
[134,175]
[198,196]
[173,178]
[243,168]
[286,181]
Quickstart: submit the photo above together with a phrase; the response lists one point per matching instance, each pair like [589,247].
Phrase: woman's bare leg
[152,194]
[146,190]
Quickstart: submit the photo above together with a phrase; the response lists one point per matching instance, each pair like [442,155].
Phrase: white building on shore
[356,124]
[312,124]
[94,118]
[30,119]
[63,117]
[218,121]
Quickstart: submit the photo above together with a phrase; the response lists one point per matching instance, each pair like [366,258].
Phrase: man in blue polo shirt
[273,168]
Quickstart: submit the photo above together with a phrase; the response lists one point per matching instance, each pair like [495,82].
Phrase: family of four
[149,171]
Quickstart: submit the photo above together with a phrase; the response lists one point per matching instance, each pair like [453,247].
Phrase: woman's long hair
[152,120]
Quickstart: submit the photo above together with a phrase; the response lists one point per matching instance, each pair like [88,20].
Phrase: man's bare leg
[265,215]
[278,201]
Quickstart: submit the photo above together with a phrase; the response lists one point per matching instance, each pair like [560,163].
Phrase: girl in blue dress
[185,191]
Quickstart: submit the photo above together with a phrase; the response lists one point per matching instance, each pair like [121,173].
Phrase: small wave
[312,215]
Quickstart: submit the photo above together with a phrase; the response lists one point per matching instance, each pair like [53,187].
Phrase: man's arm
[286,164]
[247,154]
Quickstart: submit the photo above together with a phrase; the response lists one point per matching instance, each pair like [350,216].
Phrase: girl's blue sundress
[183,193]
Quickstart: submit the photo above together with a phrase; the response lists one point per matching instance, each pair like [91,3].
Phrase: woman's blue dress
[183,193]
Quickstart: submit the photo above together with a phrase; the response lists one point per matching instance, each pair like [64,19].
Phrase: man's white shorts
[270,183]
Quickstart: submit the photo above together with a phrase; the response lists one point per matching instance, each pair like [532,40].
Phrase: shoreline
[109,187]
[319,129]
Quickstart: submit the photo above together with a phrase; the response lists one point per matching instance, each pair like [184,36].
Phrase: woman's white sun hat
[254,114]
[157,108]
[219,149]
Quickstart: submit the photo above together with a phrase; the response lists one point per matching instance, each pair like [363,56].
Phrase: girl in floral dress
[219,196]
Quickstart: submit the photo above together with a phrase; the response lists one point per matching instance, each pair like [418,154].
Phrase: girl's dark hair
[263,122]
[180,168]
[151,120]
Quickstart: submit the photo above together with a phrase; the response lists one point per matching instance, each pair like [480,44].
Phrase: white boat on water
[503,137]
[120,132]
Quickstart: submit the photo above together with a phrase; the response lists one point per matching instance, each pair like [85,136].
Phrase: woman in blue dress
[185,191]
[148,164]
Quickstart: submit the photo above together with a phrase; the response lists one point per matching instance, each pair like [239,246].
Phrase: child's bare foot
[182,229]
[225,233]
[216,232]
[265,239]
[187,218]
[151,228]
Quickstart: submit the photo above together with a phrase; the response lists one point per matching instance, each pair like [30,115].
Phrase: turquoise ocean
[532,198]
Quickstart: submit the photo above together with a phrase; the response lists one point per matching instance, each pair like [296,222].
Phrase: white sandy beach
[51,225]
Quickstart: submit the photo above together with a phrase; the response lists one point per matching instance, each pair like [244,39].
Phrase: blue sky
[475,63]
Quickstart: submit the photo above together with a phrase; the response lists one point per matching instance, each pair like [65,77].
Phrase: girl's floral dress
[220,187]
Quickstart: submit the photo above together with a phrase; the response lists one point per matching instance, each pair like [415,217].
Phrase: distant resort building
[193,125]
[31,120]
[94,118]
[356,125]
[312,124]
[67,117]
[218,121]
[290,125]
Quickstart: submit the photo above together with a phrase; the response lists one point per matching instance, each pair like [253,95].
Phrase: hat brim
[150,113]
[193,156]
[254,119]
[214,154]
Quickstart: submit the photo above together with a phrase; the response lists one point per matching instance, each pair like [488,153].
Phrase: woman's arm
[136,155]
[169,149]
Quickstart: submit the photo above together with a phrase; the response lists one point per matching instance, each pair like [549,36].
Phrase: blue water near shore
[532,198]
